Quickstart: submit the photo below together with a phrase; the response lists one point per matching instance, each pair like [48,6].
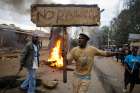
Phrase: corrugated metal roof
[5,27]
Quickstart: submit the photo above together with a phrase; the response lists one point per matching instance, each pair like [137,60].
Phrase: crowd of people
[129,56]
[132,64]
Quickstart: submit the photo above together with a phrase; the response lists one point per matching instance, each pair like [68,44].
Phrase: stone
[50,84]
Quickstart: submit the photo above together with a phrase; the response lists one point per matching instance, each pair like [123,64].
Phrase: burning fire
[55,56]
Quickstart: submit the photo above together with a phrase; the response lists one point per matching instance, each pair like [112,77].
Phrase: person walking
[131,74]
[30,60]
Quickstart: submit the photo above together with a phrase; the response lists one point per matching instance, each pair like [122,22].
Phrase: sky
[18,11]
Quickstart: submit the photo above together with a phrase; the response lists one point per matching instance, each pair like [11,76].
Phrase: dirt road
[107,76]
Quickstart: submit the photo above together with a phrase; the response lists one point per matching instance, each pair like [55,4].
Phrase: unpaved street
[107,76]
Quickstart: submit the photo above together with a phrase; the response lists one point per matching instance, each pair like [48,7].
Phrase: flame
[55,56]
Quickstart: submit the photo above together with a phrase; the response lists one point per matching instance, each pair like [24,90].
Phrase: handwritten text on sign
[67,15]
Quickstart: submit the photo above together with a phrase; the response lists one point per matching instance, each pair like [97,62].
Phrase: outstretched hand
[113,54]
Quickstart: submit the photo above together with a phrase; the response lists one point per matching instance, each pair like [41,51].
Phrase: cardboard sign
[45,15]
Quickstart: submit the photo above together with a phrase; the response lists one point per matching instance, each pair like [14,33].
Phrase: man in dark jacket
[30,60]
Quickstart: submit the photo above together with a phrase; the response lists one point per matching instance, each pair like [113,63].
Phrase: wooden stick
[64,56]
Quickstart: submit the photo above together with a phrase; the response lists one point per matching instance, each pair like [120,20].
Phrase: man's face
[82,41]
[134,51]
[35,39]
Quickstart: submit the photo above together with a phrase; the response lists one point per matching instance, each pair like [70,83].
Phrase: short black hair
[84,35]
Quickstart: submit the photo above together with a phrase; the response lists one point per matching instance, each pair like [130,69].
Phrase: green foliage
[74,43]
[128,21]
[105,32]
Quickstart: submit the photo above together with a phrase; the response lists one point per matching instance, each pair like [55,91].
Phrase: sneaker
[124,90]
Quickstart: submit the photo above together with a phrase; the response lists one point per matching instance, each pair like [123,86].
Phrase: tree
[74,43]
[105,35]
[120,27]
[128,21]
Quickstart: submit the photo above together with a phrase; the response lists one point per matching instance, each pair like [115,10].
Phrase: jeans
[30,83]
[80,85]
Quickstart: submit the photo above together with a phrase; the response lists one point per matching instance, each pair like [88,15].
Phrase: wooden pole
[64,49]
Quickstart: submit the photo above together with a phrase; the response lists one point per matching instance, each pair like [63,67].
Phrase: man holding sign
[83,55]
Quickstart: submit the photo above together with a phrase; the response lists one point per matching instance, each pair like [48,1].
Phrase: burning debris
[55,56]
[55,47]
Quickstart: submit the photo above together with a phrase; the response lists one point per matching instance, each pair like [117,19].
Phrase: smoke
[55,34]
[20,6]
[18,11]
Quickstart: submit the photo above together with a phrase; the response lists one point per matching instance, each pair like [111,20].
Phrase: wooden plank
[44,15]
[64,48]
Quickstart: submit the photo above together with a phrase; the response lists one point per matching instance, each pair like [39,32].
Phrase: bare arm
[69,59]
[99,52]
[109,54]
[70,56]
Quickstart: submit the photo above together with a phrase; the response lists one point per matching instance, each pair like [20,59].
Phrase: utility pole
[108,39]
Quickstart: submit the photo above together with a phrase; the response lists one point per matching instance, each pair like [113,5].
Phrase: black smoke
[20,6]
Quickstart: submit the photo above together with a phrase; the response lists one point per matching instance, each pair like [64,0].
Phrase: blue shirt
[132,61]
[139,58]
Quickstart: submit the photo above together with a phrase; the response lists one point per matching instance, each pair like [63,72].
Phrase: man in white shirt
[30,60]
